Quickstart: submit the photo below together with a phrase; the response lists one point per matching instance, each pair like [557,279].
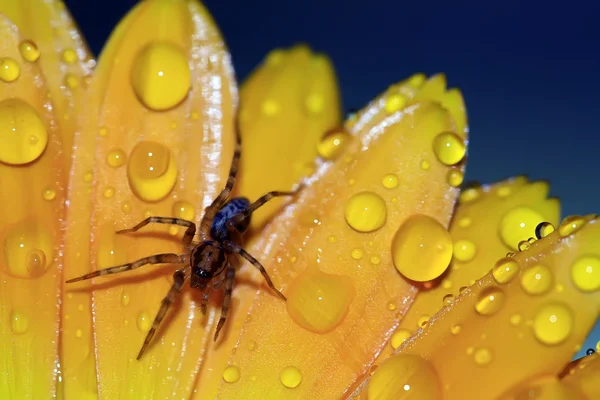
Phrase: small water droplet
[455,177]
[553,324]
[421,248]
[543,229]
[252,345]
[49,194]
[231,374]
[357,254]
[71,81]
[9,69]
[400,337]
[470,194]
[425,165]
[333,143]
[483,356]
[524,245]
[465,222]
[365,212]
[125,298]
[19,322]
[390,181]
[423,321]
[449,148]
[160,75]
[464,250]
[537,280]
[448,300]
[290,377]
[29,51]
[109,192]
[570,225]
[78,333]
[151,170]
[515,319]
[505,270]
[394,102]
[28,250]
[585,273]
[490,301]
[456,329]
[116,158]
[517,224]
[144,322]
[23,134]
[69,56]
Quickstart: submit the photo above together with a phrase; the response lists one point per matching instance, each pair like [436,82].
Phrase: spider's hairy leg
[229,278]
[166,258]
[179,279]
[239,250]
[260,202]
[187,237]
[215,206]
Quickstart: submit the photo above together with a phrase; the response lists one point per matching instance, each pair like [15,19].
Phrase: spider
[221,228]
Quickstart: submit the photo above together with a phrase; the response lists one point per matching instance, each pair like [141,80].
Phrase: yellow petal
[585,377]
[477,237]
[339,279]
[61,54]
[138,159]
[32,194]
[499,331]
[288,103]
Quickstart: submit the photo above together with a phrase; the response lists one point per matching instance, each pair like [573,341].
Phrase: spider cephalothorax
[209,261]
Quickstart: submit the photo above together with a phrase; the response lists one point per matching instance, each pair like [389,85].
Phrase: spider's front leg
[229,279]
[189,225]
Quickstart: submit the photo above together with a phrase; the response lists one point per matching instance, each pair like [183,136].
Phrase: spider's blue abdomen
[218,230]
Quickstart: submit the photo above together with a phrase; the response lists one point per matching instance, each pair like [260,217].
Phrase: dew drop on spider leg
[318,302]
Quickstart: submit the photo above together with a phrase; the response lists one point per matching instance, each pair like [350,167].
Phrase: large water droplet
[421,248]
[318,301]
[23,135]
[151,170]
[160,76]
[570,225]
[585,273]
[400,337]
[536,280]
[552,324]
[449,148]
[366,212]
[403,377]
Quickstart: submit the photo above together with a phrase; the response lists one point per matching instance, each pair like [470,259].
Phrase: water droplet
[464,250]
[109,192]
[446,284]
[570,225]
[103,131]
[394,102]
[69,56]
[390,181]
[455,330]
[425,165]
[517,224]
[465,222]
[455,177]
[252,345]
[585,273]
[160,76]
[505,270]
[28,250]
[184,210]
[125,298]
[88,177]
[483,356]
[400,337]
[29,51]
[536,280]
[318,301]
[391,306]
[449,148]
[404,377]
[126,207]
[469,195]
[331,239]
[78,333]
[9,69]
[332,143]
[421,248]
[448,300]
[543,229]
[423,321]
[375,260]
[144,322]
[515,319]
[490,301]
[116,158]
[19,322]
[71,81]
[231,374]
[357,254]
[365,212]
[552,324]
[151,170]
[49,194]
[23,135]
[524,245]
[290,377]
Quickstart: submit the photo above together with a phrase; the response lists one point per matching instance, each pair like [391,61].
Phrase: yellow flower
[391,292]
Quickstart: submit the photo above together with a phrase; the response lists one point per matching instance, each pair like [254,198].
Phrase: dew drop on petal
[23,135]
[116,158]
[483,356]
[151,170]
[570,225]
[390,181]
[9,69]
[357,254]
[449,148]
[517,224]
[448,300]
[184,210]
[404,377]
[144,321]
[394,102]
[160,75]
[543,229]
[332,143]
[421,248]
[469,195]
[490,301]
[69,56]
[399,337]
[536,280]
[365,212]
[455,177]
[231,374]
[505,270]
[524,245]
[290,377]
[464,250]
[19,322]
[49,194]
[318,301]
[585,273]
[29,51]
[553,324]
[27,250]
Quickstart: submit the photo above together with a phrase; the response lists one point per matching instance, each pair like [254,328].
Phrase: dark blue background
[529,70]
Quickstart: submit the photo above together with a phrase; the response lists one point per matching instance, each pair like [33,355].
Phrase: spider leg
[205,296]
[239,250]
[179,279]
[211,211]
[236,219]
[167,258]
[187,236]
[229,278]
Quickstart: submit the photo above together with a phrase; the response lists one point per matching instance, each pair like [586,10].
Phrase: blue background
[529,71]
